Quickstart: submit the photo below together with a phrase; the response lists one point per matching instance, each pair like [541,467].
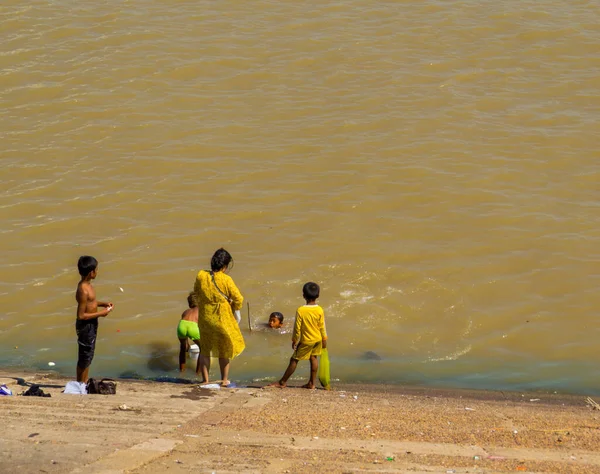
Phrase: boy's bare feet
[224,383]
[310,386]
[277,384]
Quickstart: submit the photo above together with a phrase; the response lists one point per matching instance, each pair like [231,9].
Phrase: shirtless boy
[86,324]
[188,329]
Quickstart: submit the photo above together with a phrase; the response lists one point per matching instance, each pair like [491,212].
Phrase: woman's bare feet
[224,383]
[310,386]
[277,384]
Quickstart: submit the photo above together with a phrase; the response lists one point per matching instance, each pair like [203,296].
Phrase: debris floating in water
[121,289]
[370,355]
[51,364]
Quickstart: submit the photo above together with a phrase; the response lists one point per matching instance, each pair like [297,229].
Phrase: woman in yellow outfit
[218,298]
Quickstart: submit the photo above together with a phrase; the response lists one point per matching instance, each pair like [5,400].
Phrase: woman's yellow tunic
[220,334]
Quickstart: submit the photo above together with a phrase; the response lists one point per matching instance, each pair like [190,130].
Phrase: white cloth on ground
[76,388]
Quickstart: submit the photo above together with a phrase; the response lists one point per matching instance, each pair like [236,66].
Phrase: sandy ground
[153,427]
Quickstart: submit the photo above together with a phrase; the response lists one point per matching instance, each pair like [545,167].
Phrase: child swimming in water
[275,320]
[188,328]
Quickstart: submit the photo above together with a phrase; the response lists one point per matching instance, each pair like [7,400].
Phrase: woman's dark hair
[220,259]
[86,265]
[310,291]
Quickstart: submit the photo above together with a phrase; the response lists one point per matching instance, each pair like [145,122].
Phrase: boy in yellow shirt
[309,336]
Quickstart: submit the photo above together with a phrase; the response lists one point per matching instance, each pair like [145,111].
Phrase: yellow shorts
[305,351]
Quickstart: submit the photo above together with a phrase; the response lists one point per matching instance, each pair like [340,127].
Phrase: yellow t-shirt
[309,327]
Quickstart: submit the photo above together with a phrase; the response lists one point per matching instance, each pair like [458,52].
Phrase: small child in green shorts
[188,328]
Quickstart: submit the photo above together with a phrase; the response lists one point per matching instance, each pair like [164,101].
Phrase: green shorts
[188,329]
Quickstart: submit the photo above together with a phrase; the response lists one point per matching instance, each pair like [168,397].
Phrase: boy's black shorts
[87,331]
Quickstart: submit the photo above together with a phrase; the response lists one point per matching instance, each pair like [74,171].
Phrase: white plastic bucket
[194,351]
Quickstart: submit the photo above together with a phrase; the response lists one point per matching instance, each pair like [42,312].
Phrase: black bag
[102,387]
[35,391]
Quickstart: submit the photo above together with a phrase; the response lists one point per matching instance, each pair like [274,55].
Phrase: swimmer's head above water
[275,320]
